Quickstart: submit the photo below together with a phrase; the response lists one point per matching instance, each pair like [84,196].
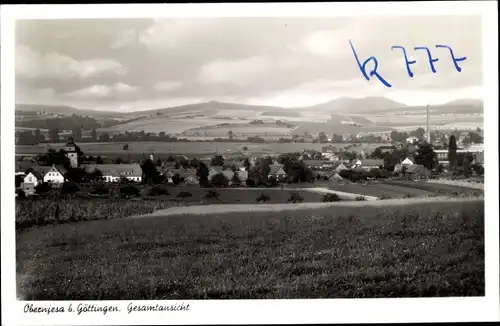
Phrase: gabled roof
[317,162]
[116,170]
[36,174]
[407,161]
[275,168]
[372,162]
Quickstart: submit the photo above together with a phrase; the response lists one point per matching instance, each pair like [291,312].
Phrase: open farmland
[187,148]
[240,129]
[436,188]
[379,190]
[417,250]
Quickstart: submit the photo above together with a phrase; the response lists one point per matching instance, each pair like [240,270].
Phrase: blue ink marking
[431,59]
[408,63]
[362,67]
[455,60]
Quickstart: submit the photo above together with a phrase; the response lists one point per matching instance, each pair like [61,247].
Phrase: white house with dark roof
[54,174]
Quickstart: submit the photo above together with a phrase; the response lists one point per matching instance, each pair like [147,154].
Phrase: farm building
[113,172]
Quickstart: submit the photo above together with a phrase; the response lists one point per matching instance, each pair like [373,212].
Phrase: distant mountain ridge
[342,105]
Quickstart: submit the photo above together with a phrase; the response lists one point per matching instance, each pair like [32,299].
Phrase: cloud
[166,86]
[32,65]
[242,72]
[125,39]
[103,91]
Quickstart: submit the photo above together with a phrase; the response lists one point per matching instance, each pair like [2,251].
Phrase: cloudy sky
[139,64]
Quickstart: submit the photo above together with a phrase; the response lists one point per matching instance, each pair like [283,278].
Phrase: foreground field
[417,250]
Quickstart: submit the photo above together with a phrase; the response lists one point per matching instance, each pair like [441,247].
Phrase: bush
[184,194]
[100,189]
[330,198]
[158,191]
[360,198]
[263,198]
[129,190]
[20,193]
[212,194]
[407,195]
[43,188]
[69,188]
[295,197]
[385,196]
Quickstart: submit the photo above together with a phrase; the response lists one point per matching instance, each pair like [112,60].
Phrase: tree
[475,137]
[53,134]
[377,154]
[118,160]
[176,179]
[99,160]
[245,148]
[235,180]
[322,137]
[38,135]
[104,137]
[162,134]
[336,138]
[218,160]
[419,133]
[94,135]
[149,171]
[159,162]
[230,134]
[202,174]
[219,180]
[247,164]
[269,160]
[77,133]
[194,163]
[452,152]
[426,156]
[125,147]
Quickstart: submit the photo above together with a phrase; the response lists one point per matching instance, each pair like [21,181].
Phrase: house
[113,172]
[54,174]
[317,164]
[407,162]
[372,164]
[336,177]
[442,156]
[411,139]
[329,150]
[417,171]
[339,166]
[30,181]
[276,171]
[214,170]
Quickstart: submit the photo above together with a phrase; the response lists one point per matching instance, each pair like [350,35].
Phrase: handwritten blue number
[455,60]
[362,67]
[431,59]
[408,63]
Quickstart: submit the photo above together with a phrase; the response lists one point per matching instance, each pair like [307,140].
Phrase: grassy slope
[418,250]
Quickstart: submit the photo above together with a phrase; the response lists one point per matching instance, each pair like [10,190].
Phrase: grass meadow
[416,250]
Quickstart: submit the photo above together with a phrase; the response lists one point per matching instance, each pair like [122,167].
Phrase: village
[408,160]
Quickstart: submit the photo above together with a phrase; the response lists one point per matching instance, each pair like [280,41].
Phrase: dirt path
[318,190]
[237,208]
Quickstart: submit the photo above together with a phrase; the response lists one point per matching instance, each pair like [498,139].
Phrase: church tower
[72,152]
